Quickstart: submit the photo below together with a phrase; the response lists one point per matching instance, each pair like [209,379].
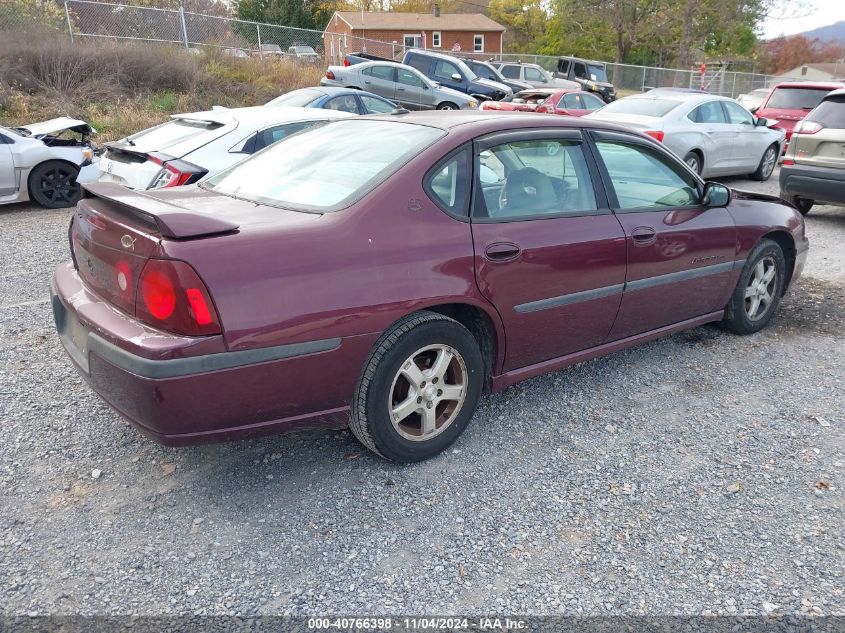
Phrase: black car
[487,71]
[591,75]
[452,72]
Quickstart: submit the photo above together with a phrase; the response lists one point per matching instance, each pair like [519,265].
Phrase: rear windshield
[796,98]
[315,171]
[830,113]
[177,137]
[642,107]
[297,98]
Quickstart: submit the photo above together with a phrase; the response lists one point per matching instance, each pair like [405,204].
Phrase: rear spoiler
[172,220]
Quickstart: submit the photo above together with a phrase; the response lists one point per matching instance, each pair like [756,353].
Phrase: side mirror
[761,122]
[754,109]
[456,77]
[716,195]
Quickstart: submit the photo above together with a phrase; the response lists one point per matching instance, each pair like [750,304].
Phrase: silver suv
[535,75]
[813,169]
[404,85]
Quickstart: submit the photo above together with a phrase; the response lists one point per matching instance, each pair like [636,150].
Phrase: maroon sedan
[384,272]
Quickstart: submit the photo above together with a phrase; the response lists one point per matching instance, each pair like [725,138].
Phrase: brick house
[389,34]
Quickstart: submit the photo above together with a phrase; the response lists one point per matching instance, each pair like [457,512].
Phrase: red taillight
[657,135]
[330,74]
[172,297]
[174,172]
[346,63]
[788,161]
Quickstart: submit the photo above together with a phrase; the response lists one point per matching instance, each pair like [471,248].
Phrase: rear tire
[758,291]
[694,162]
[767,164]
[447,105]
[419,388]
[802,204]
[52,184]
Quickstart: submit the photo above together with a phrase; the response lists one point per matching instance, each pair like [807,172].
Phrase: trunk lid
[115,231]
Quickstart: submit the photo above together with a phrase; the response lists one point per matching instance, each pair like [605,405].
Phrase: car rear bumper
[822,184]
[182,390]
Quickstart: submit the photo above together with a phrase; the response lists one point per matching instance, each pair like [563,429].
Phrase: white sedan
[715,136]
[191,146]
[43,162]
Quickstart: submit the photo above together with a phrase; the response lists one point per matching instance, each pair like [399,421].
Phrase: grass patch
[121,88]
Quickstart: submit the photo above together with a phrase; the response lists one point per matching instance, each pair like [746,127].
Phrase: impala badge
[127,241]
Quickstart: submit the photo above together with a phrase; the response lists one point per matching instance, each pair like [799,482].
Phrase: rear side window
[830,113]
[532,74]
[796,98]
[532,179]
[379,72]
[422,64]
[448,183]
[710,112]
[510,71]
[406,77]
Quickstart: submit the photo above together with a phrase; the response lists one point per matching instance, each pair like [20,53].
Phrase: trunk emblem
[127,241]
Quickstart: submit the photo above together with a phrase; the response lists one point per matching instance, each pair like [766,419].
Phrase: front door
[445,72]
[680,254]
[410,90]
[549,254]
[749,141]
[717,136]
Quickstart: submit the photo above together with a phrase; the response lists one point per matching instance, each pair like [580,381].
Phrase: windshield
[796,98]
[642,107]
[303,49]
[313,171]
[297,98]
[597,73]
[177,137]
[465,69]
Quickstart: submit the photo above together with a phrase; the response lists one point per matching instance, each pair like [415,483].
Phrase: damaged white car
[43,162]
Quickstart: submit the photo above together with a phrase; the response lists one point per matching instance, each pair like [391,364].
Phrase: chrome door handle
[644,235]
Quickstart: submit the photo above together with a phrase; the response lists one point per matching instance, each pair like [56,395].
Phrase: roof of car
[683,97]
[835,93]
[813,85]
[260,114]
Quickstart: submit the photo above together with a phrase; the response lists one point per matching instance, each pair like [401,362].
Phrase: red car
[522,101]
[385,282]
[789,103]
[571,103]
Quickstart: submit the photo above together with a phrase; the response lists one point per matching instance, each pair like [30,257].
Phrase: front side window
[444,70]
[581,70]
[375,106]
[478,43]
[531,179]
[311,171]
[737,114]
[532,74]
[644,179]
[408,78]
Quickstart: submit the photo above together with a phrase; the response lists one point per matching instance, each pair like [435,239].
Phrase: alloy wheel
[760,291]
[428,392]
[57,185]
[692,163]
[769,160]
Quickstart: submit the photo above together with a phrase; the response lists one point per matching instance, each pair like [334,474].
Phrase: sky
[798,16]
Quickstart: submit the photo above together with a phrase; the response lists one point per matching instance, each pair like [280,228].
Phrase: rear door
[716,135]
[680,254]
[380,79]
[549,254]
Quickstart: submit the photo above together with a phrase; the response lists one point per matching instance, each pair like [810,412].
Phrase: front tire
[447,105]
[53,185]
[767,164]
[802,204]
[758,291]
[419,388]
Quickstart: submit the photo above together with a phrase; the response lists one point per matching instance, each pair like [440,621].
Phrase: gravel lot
[702,473]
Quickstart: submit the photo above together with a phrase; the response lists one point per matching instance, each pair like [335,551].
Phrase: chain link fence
[239,38]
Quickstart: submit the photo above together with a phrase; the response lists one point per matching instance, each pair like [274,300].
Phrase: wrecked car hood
[56,125]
